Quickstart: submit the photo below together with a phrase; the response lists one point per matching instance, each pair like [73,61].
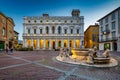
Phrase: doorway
[53,44]
[115,46]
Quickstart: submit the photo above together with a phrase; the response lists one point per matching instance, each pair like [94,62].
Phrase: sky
[92,10]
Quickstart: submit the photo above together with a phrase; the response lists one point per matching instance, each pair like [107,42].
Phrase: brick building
[6,31]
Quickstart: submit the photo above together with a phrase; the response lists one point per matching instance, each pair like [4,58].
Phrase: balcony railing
[25,34]
[105,32]
[109,39]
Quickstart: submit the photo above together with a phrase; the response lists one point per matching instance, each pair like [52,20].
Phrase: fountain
[86,57]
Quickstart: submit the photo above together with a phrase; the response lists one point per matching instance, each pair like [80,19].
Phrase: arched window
[53,30]
[34,31]
[59,30]
[40,31]
[47,30]
[28,31]
[3,32]
[77,31]
[65,31]
[71,31]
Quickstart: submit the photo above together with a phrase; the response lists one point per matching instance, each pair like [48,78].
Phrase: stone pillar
[32,43]
[62,43]
[68,42]
[50,30]
[56,43]
[44,46]
[50,44]
[23,43]
[56,30]
[74,43]
[38,44]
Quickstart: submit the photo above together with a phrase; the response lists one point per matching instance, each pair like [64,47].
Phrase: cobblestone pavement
[42,65]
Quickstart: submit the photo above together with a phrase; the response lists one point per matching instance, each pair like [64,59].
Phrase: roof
[16,32]
[96,25]
[8,18]
[109,13]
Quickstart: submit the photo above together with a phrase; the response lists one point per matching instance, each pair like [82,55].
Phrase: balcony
[109,39]
[106,32]
[25,34]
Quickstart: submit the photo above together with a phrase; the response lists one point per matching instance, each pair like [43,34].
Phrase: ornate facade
[52,32]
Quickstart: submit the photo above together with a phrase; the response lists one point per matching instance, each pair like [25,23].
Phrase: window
[40,31]
[101,29]
[53,30]
[93,37]
[113,16]
[113,25]
[3,32]
[28,21]
[40,21]
[47,30]
[77,31]
[28,31]
[107,27]
[59,30]
[65,31]
[65,21]
[101,22]
[34,21]
[71,31]
[71,21]
[34,31]
[113,34]
[106,20]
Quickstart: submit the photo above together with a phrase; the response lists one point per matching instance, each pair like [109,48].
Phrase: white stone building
[109,31]
[52,32]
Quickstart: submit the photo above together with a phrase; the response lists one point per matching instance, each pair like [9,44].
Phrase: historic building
[6,31]
[53,32]
[16,35]
[91,36]
[109,31]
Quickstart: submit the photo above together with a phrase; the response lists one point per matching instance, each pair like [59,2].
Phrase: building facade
[53,32]
[7,31]
[91,36]
[16,35]
[109,31]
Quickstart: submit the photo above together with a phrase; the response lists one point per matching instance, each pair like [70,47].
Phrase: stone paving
[42,65]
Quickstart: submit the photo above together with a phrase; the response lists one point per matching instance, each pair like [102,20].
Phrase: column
[38,44]
[44,44]
[56,30]
[56,43]
[38,31]
[80,43]
[50,30]
[23,42]
[118,44]
[62,42]
[49,44]
[24,29]
[68,42]
[74,43]
[32,43]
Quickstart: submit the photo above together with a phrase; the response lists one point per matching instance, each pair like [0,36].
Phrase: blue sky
[92,10]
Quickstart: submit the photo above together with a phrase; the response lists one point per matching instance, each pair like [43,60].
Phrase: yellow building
[6,31]
[91,36]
